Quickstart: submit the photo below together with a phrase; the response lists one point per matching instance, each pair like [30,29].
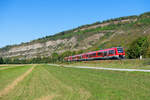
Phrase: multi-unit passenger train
[111,53]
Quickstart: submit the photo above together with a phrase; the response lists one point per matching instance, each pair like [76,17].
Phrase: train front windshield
[120,50]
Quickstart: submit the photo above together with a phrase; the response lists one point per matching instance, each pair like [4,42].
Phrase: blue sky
[25,20]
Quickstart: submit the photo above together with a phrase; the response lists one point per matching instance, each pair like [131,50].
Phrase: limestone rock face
[48,47]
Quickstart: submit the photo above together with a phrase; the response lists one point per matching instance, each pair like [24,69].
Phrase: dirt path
[84,94]
[7,68]
[14,83]
[49,97]
[12,65]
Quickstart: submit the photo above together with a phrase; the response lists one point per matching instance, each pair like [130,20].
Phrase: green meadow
[49,82]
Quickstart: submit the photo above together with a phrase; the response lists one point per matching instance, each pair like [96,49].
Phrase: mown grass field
[49,82]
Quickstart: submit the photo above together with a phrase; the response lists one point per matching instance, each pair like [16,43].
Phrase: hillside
[114,32]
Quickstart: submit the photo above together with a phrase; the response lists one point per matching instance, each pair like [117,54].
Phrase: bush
[138,47]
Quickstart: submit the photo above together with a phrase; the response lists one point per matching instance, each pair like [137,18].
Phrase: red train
[111,53]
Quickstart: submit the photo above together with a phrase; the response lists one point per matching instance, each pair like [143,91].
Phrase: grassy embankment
[47,82]
[128,63]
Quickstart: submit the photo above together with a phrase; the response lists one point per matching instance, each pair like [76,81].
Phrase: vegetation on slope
[76,31]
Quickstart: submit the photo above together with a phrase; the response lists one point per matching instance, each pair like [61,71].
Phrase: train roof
[109,48]
[75,55]
[106,49]
[91,52]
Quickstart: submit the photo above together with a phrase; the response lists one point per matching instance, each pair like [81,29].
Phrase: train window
[100,53]
[111,52]
[105,53]
[120,50]
[87,55]
[94,54]
[90,55]
[79,57]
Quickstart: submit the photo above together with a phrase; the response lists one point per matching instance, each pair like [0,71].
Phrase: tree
[1,60]
[54,57]
[148,52]
[138,47]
